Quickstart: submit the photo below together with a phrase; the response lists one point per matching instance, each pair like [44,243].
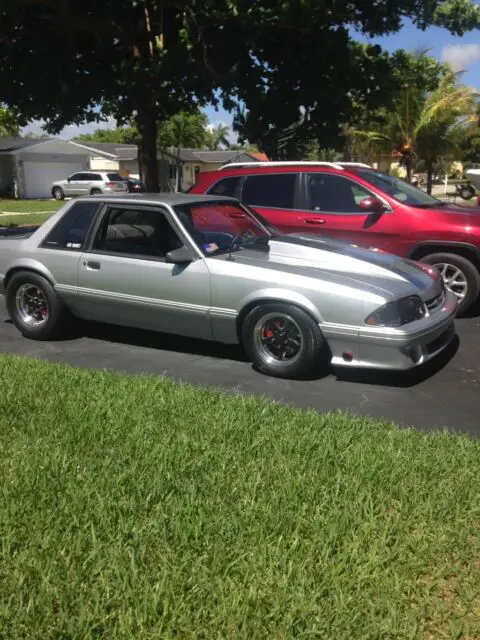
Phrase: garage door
[39,176]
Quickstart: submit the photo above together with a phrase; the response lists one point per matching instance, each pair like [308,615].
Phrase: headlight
[395,314]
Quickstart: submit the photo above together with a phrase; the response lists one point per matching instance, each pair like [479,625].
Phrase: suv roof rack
[289,163]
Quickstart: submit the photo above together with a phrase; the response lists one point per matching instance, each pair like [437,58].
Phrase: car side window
[77,176]
[332,193]
[137,233]
[94,177]
[276,190]
[72,228]
[226,186]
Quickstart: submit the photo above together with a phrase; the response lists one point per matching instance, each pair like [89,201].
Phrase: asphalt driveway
[445,394]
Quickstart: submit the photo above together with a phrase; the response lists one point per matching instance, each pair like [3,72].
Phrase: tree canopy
[9,123]
[289,62]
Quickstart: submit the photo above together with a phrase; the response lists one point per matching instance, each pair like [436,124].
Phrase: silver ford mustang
[208,267]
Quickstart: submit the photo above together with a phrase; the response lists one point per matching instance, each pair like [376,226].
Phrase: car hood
[318,256]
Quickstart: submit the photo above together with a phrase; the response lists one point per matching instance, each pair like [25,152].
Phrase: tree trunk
[429,177]
[408,167]
[147,148]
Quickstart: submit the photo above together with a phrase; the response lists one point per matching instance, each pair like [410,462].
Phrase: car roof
[169,199]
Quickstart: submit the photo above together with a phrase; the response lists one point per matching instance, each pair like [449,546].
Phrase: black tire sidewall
[60,191]
[314,343]
[96,192]
[55,306]
[471,273]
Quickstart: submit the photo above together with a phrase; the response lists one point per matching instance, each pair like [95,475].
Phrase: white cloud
[72,130]
[461,56]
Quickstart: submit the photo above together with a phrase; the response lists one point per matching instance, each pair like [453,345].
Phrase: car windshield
[400,190]
[221,227]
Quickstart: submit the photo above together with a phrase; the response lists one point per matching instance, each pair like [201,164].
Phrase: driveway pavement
[445,394]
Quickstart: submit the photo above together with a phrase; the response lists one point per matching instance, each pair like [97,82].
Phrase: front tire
[58,193]
[283,341]
[460,276]
[34,307]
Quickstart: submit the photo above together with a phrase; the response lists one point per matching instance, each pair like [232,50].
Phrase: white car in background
[89,183]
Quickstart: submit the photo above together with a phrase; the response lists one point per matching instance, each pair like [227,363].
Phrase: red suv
[361,205]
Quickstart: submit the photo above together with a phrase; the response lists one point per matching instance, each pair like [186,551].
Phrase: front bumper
[393,349]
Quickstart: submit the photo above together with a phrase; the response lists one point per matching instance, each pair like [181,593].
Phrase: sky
[461,53]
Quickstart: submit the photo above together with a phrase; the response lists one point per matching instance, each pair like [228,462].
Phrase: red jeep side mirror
[371,205]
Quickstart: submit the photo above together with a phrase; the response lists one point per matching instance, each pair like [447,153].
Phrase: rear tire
[58,193]
[95,192]
[34,307]
[460,276]
[467,193]
[283,341]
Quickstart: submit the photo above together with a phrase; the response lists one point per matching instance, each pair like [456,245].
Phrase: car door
[276,197]
[77,185]
[124,279]
[332,208]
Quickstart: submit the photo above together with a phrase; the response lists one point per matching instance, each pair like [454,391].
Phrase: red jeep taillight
[110,184]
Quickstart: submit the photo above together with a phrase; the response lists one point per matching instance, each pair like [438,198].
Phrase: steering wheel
[236,239]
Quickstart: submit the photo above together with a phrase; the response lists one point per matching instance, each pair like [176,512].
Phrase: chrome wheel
[454,278]
[32,305]
[278,339]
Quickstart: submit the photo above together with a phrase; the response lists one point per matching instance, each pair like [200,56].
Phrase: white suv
[85,183]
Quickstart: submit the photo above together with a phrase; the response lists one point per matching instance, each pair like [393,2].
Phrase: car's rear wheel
[34,307]
[95,192]
[460,276]
[283,341]
[467,193]
[58,193]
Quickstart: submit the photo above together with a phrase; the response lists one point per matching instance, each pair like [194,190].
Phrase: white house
[28,167]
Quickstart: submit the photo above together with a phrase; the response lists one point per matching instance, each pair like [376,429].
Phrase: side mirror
[371,205]
[182,255]
[68,179]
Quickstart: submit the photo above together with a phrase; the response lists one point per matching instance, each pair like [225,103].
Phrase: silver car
[208,267]
[89,183]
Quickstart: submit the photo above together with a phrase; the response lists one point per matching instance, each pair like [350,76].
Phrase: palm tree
[217,136]
[183,130]
[427,126]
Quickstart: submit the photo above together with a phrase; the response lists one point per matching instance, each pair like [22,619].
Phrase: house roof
[15,144]
[114,149]
[199,156]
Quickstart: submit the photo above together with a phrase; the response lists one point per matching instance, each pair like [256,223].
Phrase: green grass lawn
[135,507]
[29,206]
[30,218]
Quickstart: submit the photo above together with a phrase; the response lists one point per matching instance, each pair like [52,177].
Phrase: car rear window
[226,186]
[275,190]
[71,230]
[115,177]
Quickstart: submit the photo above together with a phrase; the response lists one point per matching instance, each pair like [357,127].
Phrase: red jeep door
[332,209]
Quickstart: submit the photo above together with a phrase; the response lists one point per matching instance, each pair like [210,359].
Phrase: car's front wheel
[34,307]
[283,341]
[460,276]
[58,193]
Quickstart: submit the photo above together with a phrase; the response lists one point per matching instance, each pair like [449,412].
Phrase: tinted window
[78,176]
[94,176]
[400,190]
[113,177]
[137,233]
[226,187]
[270,190]
[335,194]
[71,230]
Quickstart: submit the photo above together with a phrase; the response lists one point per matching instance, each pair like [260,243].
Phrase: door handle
[92,264]
[315,221]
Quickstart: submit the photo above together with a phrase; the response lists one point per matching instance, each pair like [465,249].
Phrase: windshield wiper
[439,203]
